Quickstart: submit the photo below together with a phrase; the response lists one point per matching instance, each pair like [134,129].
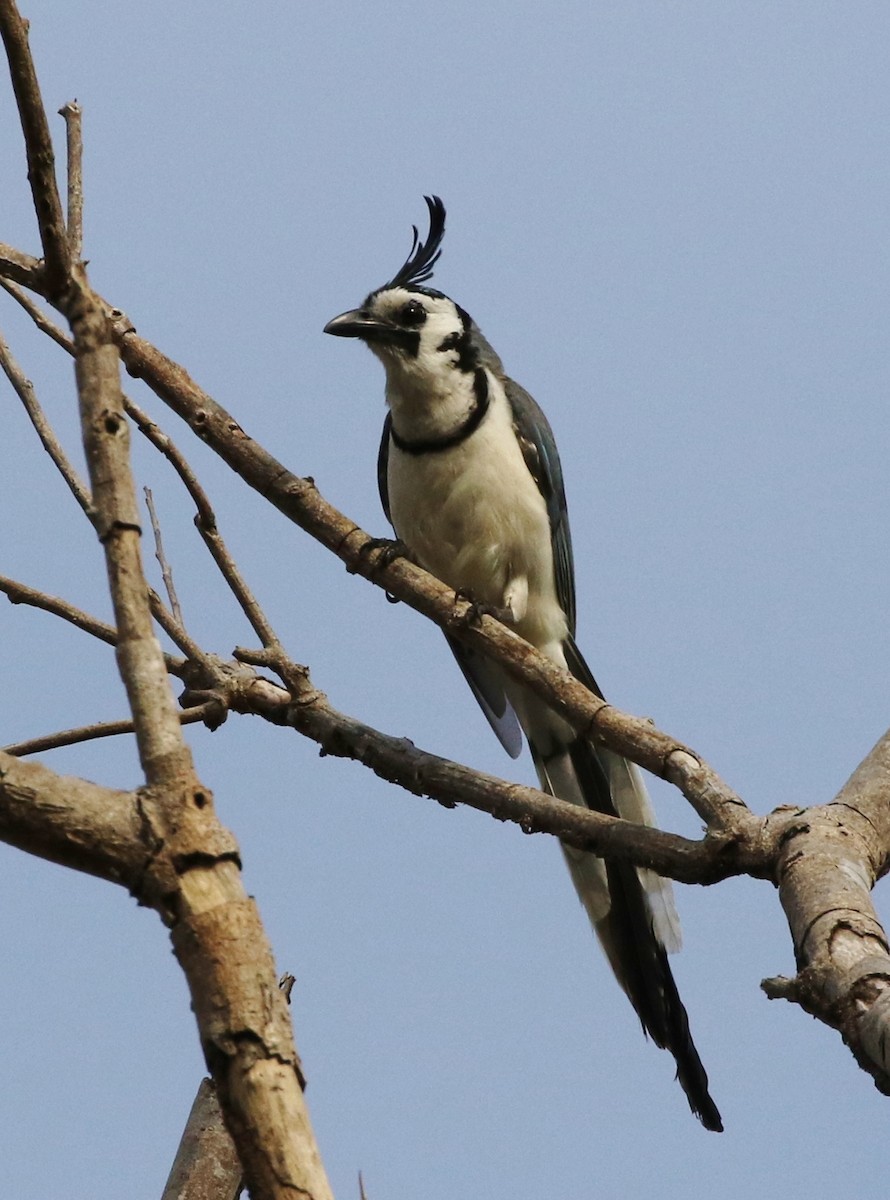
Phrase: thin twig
[89,733]
[166,569]
[205,521]
[20,593]
[175,630]
[162,441]
[37,315]
[24,389]
[242,592]
[73,114]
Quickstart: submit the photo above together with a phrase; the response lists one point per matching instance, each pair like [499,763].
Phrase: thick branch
[830,859]
[210,903]
[23,269]
[216,930]
[72,822]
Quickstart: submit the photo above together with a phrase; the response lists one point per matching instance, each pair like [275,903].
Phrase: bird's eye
[413,313]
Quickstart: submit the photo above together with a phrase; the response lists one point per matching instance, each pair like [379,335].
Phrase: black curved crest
[418,266]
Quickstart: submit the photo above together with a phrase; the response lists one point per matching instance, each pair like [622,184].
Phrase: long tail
[631,911]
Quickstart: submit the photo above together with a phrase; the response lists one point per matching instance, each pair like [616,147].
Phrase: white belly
[474,518]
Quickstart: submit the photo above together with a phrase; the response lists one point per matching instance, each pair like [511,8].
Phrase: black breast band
[469,426]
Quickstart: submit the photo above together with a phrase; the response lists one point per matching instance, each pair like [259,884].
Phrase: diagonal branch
[24,389]
[205,521]
[301,502]
[37,315]
[20,593]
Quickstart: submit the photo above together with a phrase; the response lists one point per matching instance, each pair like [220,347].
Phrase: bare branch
[73,114]
[634,737]
[205,520]
[40,319]
[829,861]
[69,821]
[89,733]
[20,593]
[162,441]
[422,773]
[250,606]
[23,269]
[166,570]
[398,760]
[38,147]
[253,1060]
[24,389]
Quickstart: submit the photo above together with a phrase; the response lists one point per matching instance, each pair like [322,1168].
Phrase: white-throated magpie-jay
[470,478]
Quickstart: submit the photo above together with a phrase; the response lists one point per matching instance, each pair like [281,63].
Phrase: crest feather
[418,266]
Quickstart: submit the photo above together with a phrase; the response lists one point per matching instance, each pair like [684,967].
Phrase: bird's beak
[357,324]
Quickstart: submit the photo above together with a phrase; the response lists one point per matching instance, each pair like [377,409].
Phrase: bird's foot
[479,609]
[387,551]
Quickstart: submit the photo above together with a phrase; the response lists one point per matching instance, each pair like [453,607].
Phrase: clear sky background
[671,220]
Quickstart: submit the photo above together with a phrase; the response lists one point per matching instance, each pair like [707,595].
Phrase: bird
[470,479]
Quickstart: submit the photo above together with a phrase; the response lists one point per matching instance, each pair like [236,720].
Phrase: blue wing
[542,459]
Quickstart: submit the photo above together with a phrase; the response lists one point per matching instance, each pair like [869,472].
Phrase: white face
[427,332]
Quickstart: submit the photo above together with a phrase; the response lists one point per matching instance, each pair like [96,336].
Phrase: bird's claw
[387,550]
[479,609]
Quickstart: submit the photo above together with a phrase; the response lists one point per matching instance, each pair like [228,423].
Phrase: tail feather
[636,954]
[631,910]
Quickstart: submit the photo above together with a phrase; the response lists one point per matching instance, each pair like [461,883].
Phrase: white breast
[473,516]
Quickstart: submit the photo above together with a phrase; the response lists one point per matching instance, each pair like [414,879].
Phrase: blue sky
[670,220]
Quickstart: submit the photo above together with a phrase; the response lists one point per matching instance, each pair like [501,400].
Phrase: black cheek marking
[480,389]
[467,355]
